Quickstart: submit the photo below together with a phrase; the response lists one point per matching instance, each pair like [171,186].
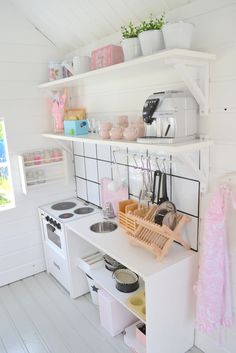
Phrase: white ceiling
[70,24]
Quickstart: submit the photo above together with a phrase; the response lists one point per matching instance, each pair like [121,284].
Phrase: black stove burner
[63,206]
[83,210]
[66,215]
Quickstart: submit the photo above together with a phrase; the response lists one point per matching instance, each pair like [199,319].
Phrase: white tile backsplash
[120,155]
[90,150]
[120,172]
[93,193]
[79,148]
[91,169]
[81,188]
[104,170]
[104,152]
[96,164]
[80,166]
[185,195]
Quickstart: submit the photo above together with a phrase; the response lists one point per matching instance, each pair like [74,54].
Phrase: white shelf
[51,172]
[146,64]
[194,145]
[43,165]
[104,278]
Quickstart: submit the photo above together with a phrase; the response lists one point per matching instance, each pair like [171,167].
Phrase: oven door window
[52,236]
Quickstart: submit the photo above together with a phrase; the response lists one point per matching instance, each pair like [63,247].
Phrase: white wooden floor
[37,316]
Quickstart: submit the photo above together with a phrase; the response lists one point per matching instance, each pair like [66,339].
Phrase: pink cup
[104,133]
[122,121]
[139,124]
[105,125]
[116,133]
[131,133]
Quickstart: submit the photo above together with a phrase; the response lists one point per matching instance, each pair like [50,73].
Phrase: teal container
[75,127]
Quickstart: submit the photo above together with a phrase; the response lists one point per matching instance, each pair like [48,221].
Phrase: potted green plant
[130,42]
[150,35]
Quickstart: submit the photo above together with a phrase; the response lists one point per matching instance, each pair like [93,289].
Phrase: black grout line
[90,181]
[128,166]
[99,198]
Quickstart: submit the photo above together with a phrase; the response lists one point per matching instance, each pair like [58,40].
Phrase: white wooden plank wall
[23,65]
[215,32]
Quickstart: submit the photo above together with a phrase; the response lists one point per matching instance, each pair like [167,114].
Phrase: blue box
[75,127]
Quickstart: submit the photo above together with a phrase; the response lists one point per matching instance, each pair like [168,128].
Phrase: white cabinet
[168,284]
[41,167]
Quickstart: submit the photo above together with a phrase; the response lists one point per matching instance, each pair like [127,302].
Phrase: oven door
[54,238]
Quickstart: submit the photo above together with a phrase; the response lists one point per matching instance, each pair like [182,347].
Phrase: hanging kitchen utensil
[164,196]
[166,212]
[149,180]
[158,174]
[117,181]
[143,195]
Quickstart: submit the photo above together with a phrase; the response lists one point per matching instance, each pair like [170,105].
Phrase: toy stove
[53,218]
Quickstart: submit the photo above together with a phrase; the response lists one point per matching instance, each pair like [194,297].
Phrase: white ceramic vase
[178,35]
[131,48]
[151,41]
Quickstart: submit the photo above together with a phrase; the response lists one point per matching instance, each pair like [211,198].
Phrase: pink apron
[214,306]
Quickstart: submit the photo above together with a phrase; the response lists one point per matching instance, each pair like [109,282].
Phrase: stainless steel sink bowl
[103,227]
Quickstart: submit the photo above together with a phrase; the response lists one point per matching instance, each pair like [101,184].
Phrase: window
[6,190]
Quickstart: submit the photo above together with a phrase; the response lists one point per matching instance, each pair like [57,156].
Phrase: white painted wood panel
[72,313]
[23,64]
[73,23]
[39,317]
[25,326]
[10,336]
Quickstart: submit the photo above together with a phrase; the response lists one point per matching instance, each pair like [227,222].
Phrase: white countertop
[116,244]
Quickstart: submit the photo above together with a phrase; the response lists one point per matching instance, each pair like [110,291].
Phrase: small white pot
[178,35]
[131,48]
[151,41]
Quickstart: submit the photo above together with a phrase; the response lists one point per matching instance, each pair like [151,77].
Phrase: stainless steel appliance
[53,218]
[170,116]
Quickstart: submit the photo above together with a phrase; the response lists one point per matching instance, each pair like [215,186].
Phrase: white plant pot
[151,41]
[178,35]
[131,48]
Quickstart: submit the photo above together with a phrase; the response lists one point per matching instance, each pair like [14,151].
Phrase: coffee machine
[170,117]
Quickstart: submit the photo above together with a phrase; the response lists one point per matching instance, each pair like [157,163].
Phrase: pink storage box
[106,56]
[141,337]
[113,316]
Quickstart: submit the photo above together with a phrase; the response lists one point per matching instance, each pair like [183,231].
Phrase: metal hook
[157,163]
[143,166]
[164,165]
[135,161]
[114,157]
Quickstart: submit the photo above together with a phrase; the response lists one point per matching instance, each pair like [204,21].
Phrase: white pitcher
[80,64]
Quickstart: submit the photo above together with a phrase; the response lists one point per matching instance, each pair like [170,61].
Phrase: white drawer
[57,266]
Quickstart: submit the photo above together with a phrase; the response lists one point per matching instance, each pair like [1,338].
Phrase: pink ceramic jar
[105,125]
[116,133]
[131,133]
[104,133]
[122,121]
[139,124]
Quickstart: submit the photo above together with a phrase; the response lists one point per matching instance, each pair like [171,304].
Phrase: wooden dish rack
[142,231]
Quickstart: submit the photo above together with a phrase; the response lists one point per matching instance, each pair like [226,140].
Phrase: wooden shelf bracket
[198,86]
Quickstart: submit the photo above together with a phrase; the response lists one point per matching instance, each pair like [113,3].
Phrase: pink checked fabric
[214,307]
